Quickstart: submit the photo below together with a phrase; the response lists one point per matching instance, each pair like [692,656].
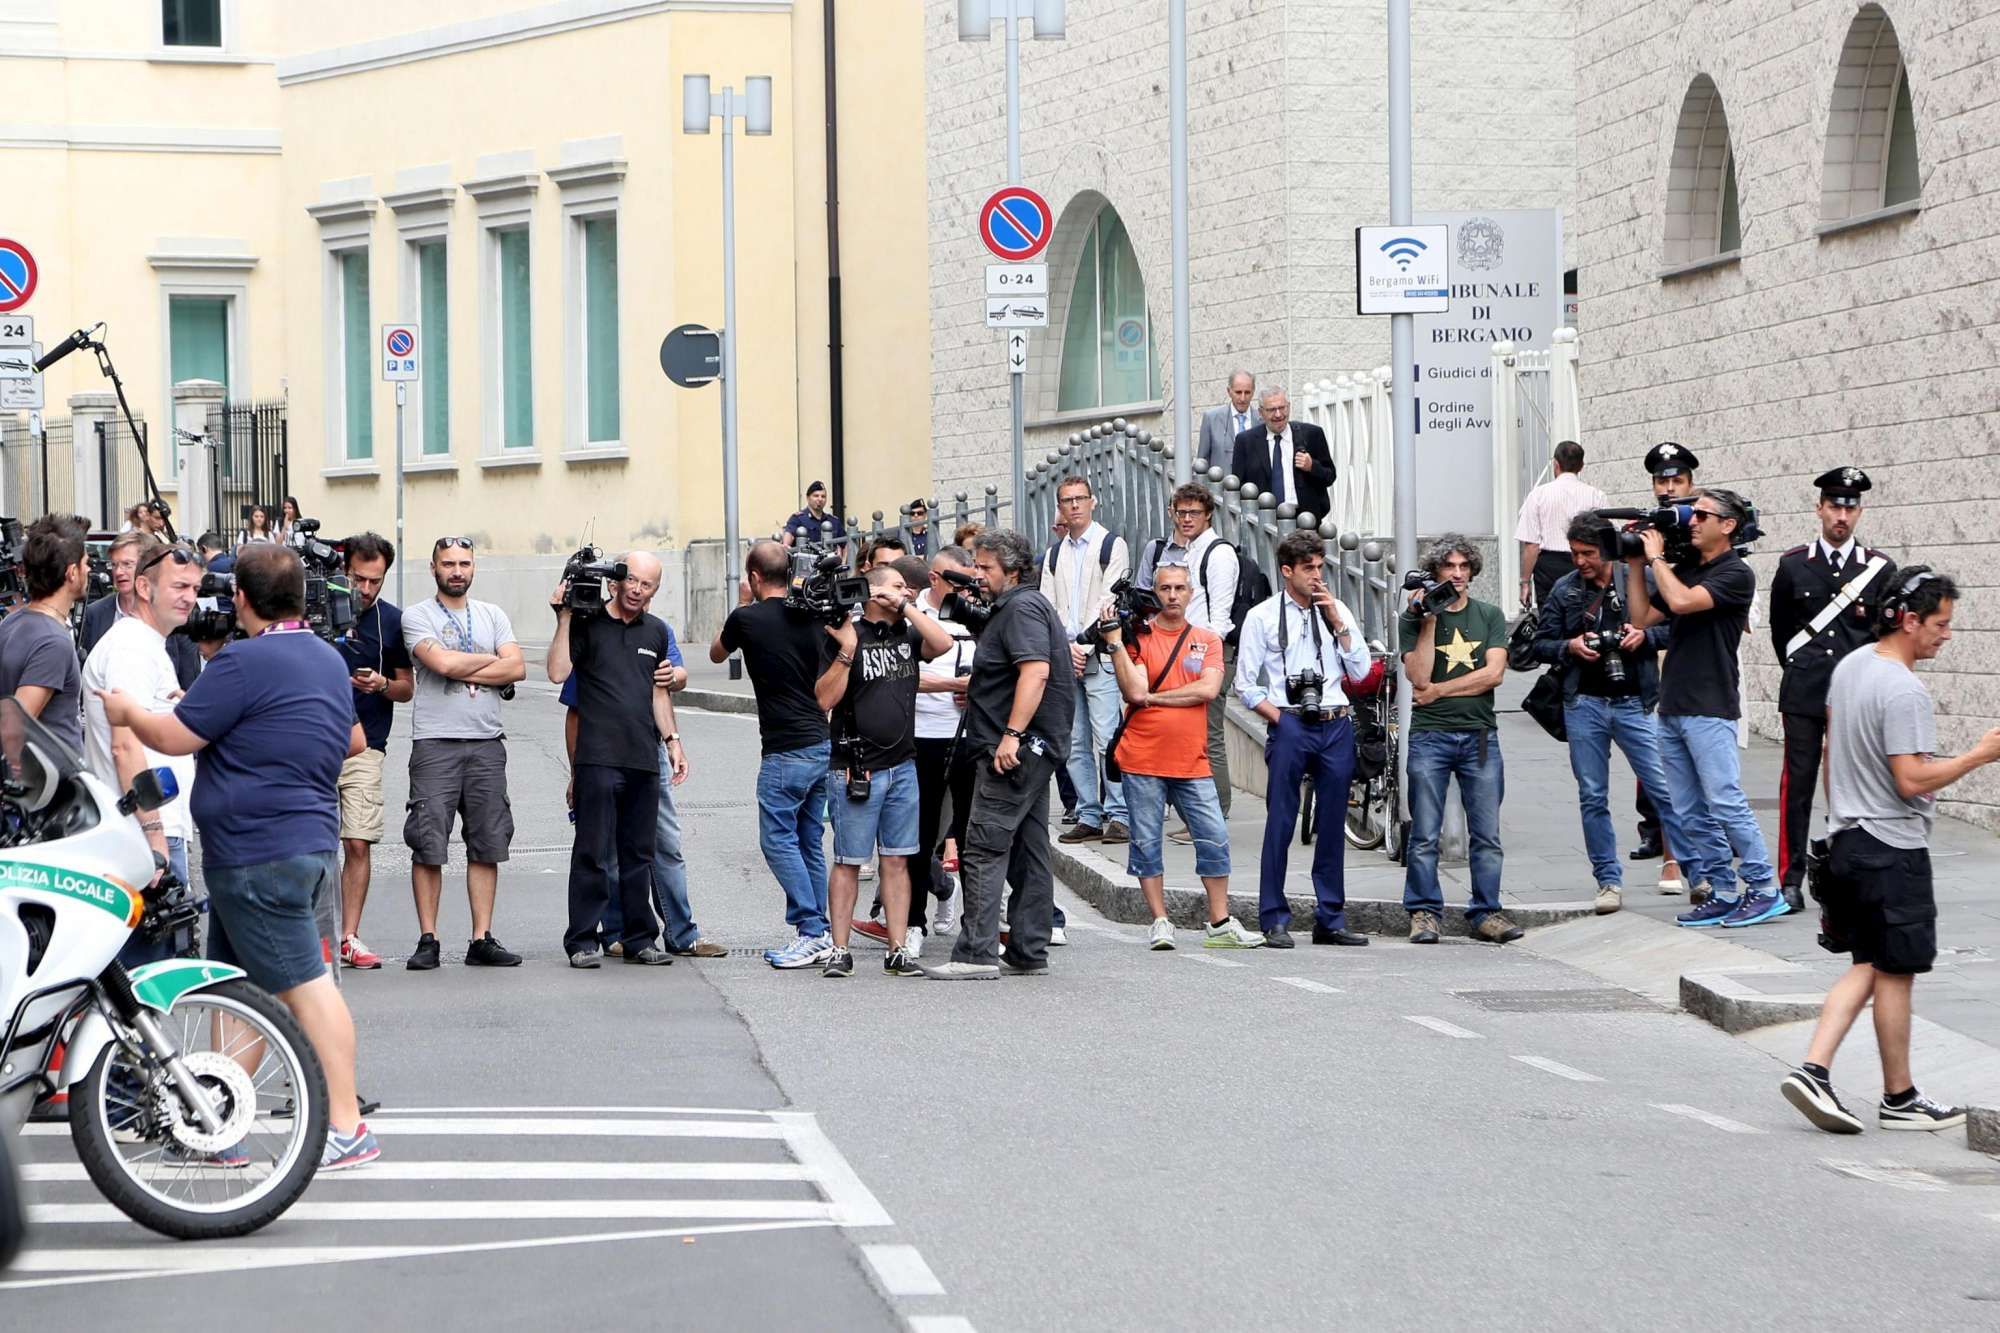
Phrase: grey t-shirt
[1877,707]
[443,708]
[37,650]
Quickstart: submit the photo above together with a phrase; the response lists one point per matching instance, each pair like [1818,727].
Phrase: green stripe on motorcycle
[160,985]
[93,889]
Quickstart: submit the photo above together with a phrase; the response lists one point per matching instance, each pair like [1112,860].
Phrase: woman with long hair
[257,528]
[288,516]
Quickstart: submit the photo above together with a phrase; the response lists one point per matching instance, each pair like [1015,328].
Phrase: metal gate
[252,462]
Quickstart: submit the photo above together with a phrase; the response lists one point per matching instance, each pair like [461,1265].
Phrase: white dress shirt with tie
[1257,654]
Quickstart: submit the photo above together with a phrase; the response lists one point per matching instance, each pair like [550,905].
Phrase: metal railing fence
[943,522]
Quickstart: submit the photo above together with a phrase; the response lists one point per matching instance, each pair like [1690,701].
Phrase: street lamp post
[1402,344]
[698,107]
[1177,115]
[975,24]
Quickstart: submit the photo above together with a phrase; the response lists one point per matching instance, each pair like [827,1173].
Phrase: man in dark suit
[1280,440]
[128,552]
[1824,601]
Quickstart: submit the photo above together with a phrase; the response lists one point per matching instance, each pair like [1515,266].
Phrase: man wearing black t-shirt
[872,690]
[622,717]
[787,653]
[1709,601]
[1019,711]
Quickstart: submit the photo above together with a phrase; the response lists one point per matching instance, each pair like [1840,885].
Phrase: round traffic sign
[17,275]
[692,356]
[400,342]
[1016,223]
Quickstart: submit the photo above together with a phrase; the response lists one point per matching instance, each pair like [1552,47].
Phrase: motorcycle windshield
[33,761]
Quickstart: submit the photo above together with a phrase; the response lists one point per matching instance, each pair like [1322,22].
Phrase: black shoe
[489,952]
[1321,935]
[650,956]
[424,957]
[839,964]
[1068,815]
[1277,937]
[1648,850]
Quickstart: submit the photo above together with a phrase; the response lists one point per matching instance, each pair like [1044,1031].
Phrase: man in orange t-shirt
[1167,676]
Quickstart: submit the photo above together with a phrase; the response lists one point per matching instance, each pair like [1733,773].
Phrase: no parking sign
[399,352]
[17,275]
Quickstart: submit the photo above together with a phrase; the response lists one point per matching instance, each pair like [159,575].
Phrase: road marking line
[1439,1025]
[564,1110]
[940,1323]
[852,1203]
[1212,962]
[186,1260]
[902,1270]
[509,1210]
[71,1172]
[1721,1122]
[612,1129]
[1094,928]
[1316,987]
[1903,1177]
[1558,1068]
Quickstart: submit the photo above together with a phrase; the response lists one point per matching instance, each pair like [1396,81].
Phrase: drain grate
[1608,1001]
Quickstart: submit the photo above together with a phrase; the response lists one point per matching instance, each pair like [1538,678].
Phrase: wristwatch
[669,740]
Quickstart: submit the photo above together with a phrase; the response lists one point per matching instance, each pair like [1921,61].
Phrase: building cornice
[140,138]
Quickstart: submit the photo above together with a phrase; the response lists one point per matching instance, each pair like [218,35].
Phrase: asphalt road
[1448,1137]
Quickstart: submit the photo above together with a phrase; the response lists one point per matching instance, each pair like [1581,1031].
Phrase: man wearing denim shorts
[871,689]
[1168,675]
[271,719]
[465,654]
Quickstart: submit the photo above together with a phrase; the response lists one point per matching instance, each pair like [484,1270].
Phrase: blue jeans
[1699,755]
[1594,723]
[1099,709]
[791,830]
[670,880]
[1435,758]
[261,917]
[885,822]
[1292,749]
[1146,798]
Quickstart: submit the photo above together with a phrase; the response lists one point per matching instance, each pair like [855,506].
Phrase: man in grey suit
[1221,425]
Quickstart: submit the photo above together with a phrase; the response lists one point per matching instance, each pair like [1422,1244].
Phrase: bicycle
[1372,804]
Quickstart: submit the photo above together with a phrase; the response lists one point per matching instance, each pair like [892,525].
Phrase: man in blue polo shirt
[271,719]
[378,664]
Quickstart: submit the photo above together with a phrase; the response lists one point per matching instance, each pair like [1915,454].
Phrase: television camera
[590,576]
[819,588]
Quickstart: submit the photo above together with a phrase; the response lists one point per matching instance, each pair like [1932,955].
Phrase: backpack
[1252,584]
[1103,555]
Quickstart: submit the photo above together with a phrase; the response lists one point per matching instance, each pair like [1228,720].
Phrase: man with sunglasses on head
[1709,600]
[465,654]
[100,615]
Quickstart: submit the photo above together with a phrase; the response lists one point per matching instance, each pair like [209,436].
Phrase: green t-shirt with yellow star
[1463,640]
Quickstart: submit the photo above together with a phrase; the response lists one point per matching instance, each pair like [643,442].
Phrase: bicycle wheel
[1367,814]
[1308,793]
[151,1157]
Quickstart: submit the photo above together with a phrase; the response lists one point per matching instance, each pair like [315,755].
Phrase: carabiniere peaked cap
[1669,459]
[1843,486]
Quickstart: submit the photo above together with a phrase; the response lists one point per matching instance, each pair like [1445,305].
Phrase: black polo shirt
[786,652]
[1701,676]
[878,715]
[614,662]
[1025,628]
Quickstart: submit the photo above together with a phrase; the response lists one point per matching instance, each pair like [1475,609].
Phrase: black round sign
[692,356]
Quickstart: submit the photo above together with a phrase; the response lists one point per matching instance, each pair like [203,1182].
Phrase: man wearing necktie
[1220,425]
[1285,457]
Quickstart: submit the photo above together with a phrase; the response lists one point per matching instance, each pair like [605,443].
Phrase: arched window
[1702,217]
[1871,132]
[1107,348]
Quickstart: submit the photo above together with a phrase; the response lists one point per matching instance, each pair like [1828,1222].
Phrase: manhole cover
[1560,1001]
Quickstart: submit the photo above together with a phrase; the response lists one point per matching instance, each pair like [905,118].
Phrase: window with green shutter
[434,320]
[600,328]
[357,348]
[517,360]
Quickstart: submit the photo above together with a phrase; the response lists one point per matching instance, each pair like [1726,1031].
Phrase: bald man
[624,712]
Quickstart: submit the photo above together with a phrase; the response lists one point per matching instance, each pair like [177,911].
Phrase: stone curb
[1718,998]
[1106,885]
[717,701]
[1982,1129]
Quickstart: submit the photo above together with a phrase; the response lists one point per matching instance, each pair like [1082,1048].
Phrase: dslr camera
[1306,688]
[214,615]
[1610,657]
[1131,606]
[819,588]
[1437,593]
[590,577]
[967,602]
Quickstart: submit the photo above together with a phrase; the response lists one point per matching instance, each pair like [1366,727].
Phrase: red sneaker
[874,930]
[355,954]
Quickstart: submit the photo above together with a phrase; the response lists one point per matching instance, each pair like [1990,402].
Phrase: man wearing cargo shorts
[465,653]
[378,667]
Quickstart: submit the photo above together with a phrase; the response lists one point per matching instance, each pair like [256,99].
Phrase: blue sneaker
[1765,904]
[805,951]
[345,1150]
[1710,913]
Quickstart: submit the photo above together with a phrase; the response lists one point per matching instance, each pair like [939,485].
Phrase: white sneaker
[867,872]
[946,920]
[913,943]
[1673,883]
[1231,935]
[1163,934]
[1608,899]
[1057,937]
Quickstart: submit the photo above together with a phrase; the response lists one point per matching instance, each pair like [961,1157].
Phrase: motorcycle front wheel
[148,1151]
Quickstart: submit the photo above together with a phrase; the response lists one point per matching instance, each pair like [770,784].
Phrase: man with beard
[465,653]
[378,666]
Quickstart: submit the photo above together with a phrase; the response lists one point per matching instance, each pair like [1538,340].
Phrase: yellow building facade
[245,191]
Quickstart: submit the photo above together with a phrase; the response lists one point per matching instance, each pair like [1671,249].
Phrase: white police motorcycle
[196,1103]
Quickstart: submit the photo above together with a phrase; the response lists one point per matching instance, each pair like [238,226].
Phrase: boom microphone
[81,338]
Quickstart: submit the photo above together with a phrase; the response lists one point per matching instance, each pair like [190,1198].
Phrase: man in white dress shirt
[1545,517]
[1077,574]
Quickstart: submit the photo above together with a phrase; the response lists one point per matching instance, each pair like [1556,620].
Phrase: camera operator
[786,652]
[378,664]
[1709,599]
[1297,651]
[1671,467]
[1168,674]
[1610,683]
[1455,651]
[132,658]
[465,654]
[269,722]
[127,550]
[1019,713]
[871,689]
[1076,575]
[623,715]
[38,666]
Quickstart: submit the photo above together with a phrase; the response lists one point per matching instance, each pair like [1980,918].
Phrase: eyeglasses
[181,554]
[443,542]
[1075,499]
[1190,513]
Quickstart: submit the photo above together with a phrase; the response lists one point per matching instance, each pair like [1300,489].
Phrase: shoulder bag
[1112,773]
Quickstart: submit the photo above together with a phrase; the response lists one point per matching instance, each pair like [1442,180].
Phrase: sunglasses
[181,554]
[1695,515]
[443,542]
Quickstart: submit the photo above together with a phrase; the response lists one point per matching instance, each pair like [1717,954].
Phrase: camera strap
[1166,669]
[1284,642]
[1849,593]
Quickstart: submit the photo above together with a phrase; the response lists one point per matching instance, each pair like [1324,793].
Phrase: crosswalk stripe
[495,1210]
[1558,1068]
[1721,1122]
[1212,962]
[70,1172]
[1306,983]
[596,1129]
[1439,1025]
[389,1111]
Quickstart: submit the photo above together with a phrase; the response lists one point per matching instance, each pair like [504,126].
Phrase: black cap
[1668,459]
[1842,486]
[816,486]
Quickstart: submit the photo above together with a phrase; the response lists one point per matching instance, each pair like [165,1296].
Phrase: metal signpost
[1402,360]
[400,366]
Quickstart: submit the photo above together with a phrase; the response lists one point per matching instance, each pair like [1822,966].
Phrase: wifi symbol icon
[1403,249]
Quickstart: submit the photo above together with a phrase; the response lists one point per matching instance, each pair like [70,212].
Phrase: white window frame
[344,226]
[228,17]
[590,191]
[422,216]
[504,203]
[207,270]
